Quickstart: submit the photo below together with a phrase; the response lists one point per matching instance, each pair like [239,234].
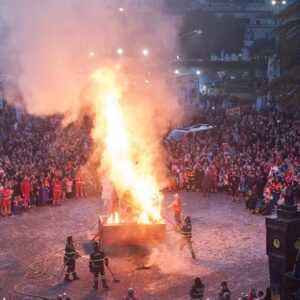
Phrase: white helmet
[130,292]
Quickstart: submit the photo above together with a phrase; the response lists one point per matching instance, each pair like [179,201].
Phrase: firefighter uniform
[79,185]
[176,205]
[69,259]
[57,190]
[96,265]
[186,236]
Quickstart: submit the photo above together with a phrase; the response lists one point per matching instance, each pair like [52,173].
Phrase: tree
[287,85]
[225,33]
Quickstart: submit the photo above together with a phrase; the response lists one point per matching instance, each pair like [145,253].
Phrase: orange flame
[129,168]
[114,219]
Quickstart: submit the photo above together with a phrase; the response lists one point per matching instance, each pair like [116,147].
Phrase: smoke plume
[51,48]
[46,46]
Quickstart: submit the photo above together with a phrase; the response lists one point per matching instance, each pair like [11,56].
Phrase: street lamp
[278,4]
[145,52]
[120,51]
[198,72]
[176,72]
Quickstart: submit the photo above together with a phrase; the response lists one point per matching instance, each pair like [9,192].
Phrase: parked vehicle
[180,133]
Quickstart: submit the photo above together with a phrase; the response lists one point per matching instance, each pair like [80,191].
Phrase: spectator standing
[234,182]
[44,191]
[206,180]
[69,187]
[225,293]
[268,294]
[6,200]
[197,290]
[26,190]
[130,295]
[57,189]
[78,185]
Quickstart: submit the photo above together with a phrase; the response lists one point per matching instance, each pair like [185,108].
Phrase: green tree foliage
[288,52]
[224,33]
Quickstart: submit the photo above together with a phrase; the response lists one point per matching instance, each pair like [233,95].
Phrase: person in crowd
[197,290]
[206,180]
[26,190]
[225,293]
[57,190]
[6,193]
[234,183]
[260,295]
[44,190]
[69,187]
[249,145]
[130,295]
[268,295]
[252,294]
[78,185]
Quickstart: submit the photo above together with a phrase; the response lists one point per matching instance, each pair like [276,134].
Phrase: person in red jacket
[26,190]
[57,190]
[176,206]
[78,185]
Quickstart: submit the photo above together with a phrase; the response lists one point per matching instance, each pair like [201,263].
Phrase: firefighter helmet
[187,219]
[96,245]
[130,292]
[70,239]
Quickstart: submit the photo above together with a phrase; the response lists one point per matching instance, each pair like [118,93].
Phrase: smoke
[51,48]
[46,46]
[169,259]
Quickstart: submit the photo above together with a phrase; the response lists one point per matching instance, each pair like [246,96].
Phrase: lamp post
[278,4]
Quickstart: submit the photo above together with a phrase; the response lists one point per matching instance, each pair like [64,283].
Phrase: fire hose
[172,223]
[37,273]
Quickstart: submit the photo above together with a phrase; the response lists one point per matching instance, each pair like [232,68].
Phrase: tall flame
[130,170]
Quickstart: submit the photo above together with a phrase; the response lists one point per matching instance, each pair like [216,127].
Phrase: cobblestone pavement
[229,243]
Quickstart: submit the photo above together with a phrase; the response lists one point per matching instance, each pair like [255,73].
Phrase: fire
[114,219]
[128,166]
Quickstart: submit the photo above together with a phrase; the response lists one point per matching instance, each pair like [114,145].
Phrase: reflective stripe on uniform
[97,260]
[187,234]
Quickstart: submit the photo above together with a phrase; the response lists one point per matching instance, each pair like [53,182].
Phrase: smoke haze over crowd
[46,46]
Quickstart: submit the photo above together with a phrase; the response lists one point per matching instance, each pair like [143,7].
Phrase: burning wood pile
[129,159]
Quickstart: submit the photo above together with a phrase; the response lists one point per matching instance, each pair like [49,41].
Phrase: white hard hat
[130,291]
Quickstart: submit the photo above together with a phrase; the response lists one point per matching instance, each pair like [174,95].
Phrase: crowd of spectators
[40,162]
[251,155]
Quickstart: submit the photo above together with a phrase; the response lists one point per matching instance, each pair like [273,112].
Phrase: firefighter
[70,259]
[26,190]
[96,265]
[79,185]
[57,190]
[176,206]
[186,235]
